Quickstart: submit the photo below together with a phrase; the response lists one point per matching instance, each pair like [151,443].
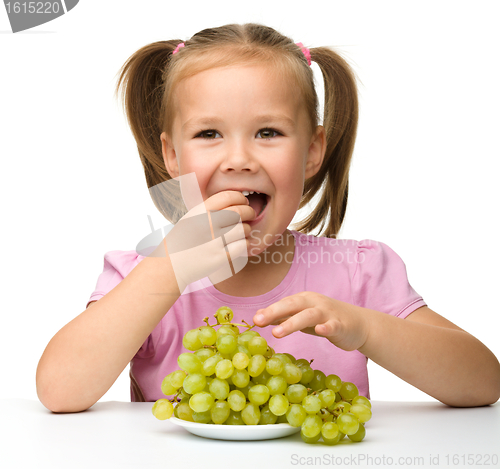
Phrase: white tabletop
[124,434]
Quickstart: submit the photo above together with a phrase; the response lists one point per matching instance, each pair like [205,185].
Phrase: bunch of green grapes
[235,378]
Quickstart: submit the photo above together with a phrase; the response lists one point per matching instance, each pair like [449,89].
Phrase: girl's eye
[208,134]
[268,133]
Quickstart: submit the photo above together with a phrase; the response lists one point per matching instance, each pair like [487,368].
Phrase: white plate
[237,432]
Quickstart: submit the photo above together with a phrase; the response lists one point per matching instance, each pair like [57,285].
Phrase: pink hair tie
[305,51]
[181,44]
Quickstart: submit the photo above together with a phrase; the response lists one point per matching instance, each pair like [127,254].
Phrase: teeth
[245,193]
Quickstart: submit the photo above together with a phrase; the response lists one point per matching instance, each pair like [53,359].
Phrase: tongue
[257,202]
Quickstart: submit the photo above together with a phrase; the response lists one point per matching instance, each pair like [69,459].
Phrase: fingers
[231,200]
[293,313]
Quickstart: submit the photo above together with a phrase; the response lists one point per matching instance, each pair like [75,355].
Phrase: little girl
[236,106]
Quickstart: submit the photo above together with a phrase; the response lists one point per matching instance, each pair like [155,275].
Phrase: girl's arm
[434,355]
[424,349]
[86,356]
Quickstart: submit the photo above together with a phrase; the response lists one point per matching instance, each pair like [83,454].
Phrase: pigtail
[340,121]
[141,85]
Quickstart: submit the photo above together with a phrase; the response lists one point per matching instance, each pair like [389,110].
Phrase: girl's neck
[263,272]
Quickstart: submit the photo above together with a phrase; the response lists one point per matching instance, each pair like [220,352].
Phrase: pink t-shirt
[365,273]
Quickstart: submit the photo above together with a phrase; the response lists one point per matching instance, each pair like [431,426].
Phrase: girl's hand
[343,324]
[208,238]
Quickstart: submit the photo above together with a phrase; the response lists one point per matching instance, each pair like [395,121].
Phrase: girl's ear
[316,152]
[169,156]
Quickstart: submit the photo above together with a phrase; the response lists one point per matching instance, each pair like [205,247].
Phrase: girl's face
[242,128]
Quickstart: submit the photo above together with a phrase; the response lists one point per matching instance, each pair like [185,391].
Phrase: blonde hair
[149,76]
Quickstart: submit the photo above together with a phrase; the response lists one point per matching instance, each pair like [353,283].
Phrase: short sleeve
[380,281]
[117,265]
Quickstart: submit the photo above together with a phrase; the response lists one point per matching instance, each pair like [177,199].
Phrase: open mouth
[257,201]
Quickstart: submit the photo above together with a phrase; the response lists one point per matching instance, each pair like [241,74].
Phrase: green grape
[226,330]
[226,344]
[220,412]
[240,360]
[204,353]
[183,394]
[263,378]
[302,362]
[276,385]
[219,388]
[361,412]
[274,366]
[251,414]
[333,382]
[224,369]
[311,404]
[318,381]
[359,435]
[267,417]
[269,352]
[296,393]
[291,357]
[242,349]
[234,418]
[296,415]
[163,409]
[184,412]
[167,388]
[348,424]
[327,397]
[308,440]
[201,401]
[224,314]
[246,336]
[362,400]
[236,400]
[194,382]
[246,388]
[282,419]
[283,357]
[291,373]
[256,365]
[339,408]
[307,374]
[329,430]
[278,404]
[189,362]
[311,426]
[240,378]
[348,391]
[333,441]
[326,416]
[202,417]
[257,346]
[258,394]
[177,378]
[207,335]
[191,341]
[208,366]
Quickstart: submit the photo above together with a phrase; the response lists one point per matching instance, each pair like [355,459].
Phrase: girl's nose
[238,157]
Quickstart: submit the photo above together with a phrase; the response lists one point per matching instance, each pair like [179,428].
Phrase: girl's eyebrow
[214,121]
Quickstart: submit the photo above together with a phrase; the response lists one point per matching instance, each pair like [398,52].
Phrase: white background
[423,179]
